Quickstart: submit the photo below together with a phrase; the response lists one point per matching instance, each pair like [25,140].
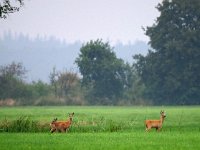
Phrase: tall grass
[22,124]
[25,124]
[100,128]
[98,119]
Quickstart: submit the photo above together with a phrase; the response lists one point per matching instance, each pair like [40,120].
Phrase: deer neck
[161,119]
[70,119]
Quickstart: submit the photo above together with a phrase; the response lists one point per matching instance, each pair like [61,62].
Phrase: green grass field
[101,128]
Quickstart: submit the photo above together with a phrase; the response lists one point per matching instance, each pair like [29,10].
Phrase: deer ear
[55,119]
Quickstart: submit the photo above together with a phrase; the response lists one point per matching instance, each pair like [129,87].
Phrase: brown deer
[155,123]
[61,126]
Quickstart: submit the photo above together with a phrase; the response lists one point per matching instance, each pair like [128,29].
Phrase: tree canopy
[102,71]
[171,71]
[11,77]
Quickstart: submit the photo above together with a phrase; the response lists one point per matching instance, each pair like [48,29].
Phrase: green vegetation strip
[87,141]
[99,128]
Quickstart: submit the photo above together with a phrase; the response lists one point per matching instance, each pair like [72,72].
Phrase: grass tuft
[22,124]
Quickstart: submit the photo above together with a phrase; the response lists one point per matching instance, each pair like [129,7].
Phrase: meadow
[100,127]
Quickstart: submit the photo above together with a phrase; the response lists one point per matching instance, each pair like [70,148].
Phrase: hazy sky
[72,20]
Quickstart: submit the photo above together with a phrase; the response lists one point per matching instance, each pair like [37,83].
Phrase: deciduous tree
[102,72]
[171,71]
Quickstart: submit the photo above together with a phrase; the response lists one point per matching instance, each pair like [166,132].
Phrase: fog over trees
[39,55]
[48,71]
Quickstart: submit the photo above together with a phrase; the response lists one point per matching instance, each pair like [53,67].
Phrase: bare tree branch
[6,8]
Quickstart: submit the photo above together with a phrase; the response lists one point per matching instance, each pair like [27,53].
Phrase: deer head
[162,113]
[54,120]
[71,116]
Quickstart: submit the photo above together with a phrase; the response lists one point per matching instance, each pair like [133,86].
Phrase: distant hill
[40,55]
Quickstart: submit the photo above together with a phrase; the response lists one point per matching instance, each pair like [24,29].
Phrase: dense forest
[168,75]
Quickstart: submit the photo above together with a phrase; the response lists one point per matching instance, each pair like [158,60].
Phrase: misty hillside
[40,55]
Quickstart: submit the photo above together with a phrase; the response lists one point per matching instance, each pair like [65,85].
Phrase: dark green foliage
[11,81]
[65,89]
[39,89]
[66,86]
[171,71]
[103,73]
[12,85]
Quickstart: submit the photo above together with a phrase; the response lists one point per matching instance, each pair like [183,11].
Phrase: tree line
[168,75]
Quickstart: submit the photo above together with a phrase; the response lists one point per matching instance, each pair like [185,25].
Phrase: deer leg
[62,130]
[147,129]
[158,129]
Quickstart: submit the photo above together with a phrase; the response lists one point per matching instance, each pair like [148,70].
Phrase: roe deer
[61,126]
[155,123]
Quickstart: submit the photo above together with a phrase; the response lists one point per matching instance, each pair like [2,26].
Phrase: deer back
[153,123]
[61,125]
